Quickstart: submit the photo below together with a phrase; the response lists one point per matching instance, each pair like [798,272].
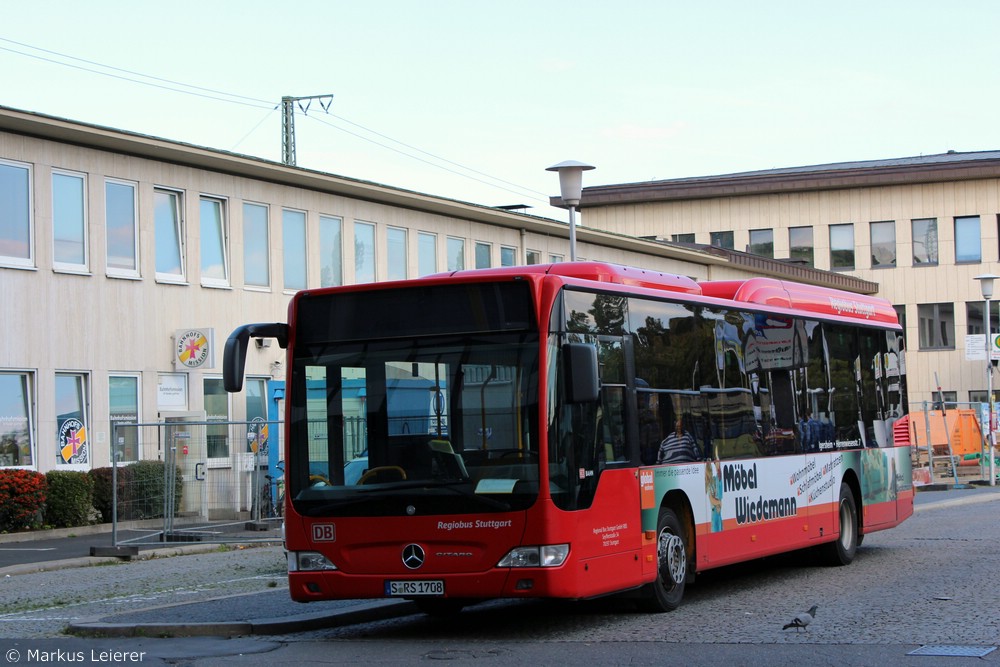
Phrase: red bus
[579,429]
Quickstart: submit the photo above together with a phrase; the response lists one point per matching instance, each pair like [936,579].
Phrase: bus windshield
[417,424]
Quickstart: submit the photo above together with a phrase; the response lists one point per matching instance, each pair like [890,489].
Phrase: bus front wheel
[666,592]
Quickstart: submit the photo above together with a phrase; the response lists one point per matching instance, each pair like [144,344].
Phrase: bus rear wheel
[842,550]
[666,592]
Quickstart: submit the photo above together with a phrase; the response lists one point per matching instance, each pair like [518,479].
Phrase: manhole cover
[954,651]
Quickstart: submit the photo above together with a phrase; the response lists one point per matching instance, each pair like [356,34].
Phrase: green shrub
[143,494]
[22,496]
[70,498]
[103,497]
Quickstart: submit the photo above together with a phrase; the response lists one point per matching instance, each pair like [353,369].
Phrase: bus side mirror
[580,373]
[234,359]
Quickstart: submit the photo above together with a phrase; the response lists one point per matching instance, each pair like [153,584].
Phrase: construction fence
[951,443]
[196,481]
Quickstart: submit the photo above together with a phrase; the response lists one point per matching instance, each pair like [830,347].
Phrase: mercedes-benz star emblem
[413,556]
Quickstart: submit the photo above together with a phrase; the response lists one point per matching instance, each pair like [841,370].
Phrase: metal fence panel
[196,481]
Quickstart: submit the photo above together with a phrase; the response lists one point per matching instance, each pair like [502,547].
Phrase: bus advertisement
[579,429]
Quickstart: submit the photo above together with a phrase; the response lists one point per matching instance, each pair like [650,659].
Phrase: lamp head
[986,284]
[570,180]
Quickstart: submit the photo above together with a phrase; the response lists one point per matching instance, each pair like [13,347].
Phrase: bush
[70,498]
[103,497]
[142,497]
[22,496]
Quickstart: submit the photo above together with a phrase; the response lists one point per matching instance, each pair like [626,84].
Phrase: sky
[473,99]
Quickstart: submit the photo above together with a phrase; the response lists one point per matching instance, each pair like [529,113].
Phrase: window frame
[966,236]
[478,248]
[82,266]
[15,261]
[455,245]
[396,241]
[508,251]
[251,247]
[225,460]
[769,244]
[930,329]
[219,233]
[293,265]
[363,253]
[933,255]
[176,242]
[427,241]
[874,243]
[81,380]
[331,250]
[723,239]
[122,271]
[27,384]
[841,248]
[808,254]
[137,419]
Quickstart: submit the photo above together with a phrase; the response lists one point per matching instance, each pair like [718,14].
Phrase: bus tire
[666,592]
[842,550]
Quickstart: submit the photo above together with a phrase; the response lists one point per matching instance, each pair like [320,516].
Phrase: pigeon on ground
[802,620]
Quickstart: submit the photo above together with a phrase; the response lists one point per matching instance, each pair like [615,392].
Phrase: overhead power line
[288,132]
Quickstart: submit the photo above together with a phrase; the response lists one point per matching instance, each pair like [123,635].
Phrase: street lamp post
[570,188]
[986,285]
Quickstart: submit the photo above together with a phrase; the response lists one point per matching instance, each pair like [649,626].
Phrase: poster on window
[73,445]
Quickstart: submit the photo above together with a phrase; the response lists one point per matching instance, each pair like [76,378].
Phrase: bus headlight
[308,561]
[550,555]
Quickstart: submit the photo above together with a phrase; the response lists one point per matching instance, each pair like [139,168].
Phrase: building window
[682,238]
[73,447]
[800,245]
[426,253]
[555,259]
[17,247]
[968,241]
[925,242]
[936,325]
[331,251]
[123,409]
[508,256]
[456,254]
[121,223]
[256,410]
[216,410]
[214,243]
[722,240]
[483,255]
[533,257]
[17,426]
[293,249]
[883,244]
[762,242]
[842,246]
[256,246]
[69,221]
[396,253]
[364,252]
[901,318]
[974,318]
[169,236]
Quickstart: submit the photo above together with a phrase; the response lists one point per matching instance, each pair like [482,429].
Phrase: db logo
[324,532]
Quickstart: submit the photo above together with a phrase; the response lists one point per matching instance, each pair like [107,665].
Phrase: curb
[362,613]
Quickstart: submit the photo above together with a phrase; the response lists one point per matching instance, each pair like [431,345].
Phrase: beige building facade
[922,228]
[126,261]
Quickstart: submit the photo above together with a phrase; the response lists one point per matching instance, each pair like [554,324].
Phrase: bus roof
[776,293]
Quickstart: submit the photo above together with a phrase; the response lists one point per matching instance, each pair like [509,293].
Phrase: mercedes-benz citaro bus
[580,429]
